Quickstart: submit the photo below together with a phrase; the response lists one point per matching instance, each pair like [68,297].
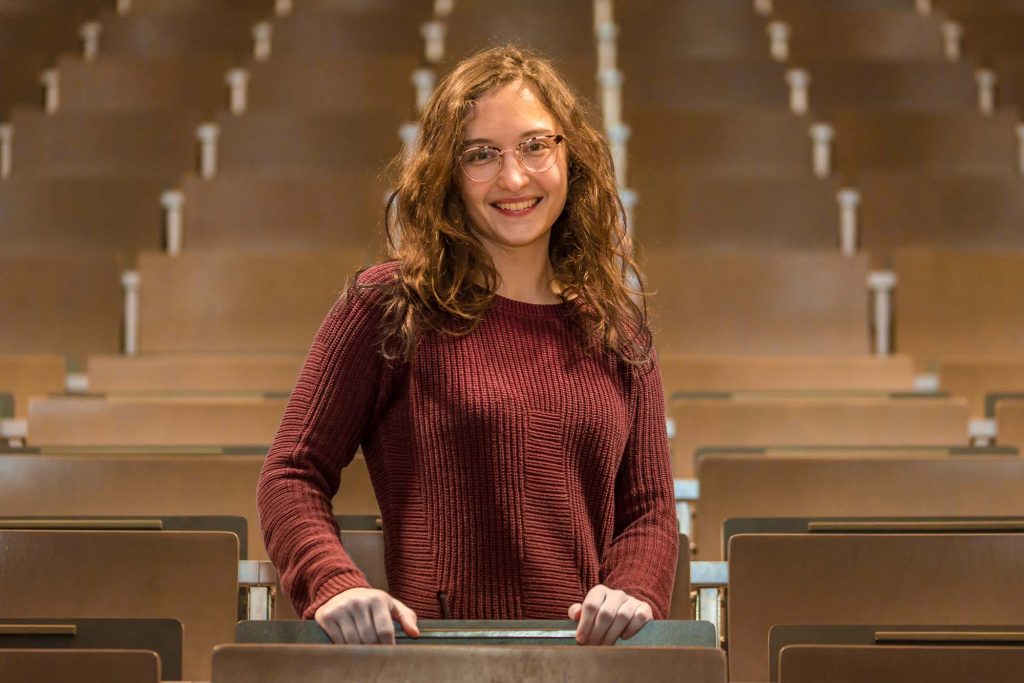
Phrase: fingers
[364,616]
[607,615]
[405,617]
[643,614]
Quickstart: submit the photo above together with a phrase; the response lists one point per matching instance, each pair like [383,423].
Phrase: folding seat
[779,301]
[186,575]
[1009,415]
[702,84]
[81,212]
[900,664]
[216,300]
[945,210]
[317,32]
[1010,86]
[688,208]
[160,636]
[63,302]
[958,303]
[864,578]
[111,666]
[900,420]
[274,663]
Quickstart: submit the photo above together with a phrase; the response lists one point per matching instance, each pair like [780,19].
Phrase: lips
[516,205]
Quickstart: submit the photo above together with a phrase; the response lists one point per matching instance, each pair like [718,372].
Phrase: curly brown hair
[446,279]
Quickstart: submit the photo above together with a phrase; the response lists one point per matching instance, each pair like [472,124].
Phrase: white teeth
[517,206]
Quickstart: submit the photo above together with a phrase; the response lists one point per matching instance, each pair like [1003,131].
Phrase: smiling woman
[498,376]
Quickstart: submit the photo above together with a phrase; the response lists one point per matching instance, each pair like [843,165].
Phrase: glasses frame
[516,152]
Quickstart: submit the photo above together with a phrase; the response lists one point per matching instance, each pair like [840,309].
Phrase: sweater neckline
[522,309]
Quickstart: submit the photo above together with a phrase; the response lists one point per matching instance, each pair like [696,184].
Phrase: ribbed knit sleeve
[330,410]
[642,558]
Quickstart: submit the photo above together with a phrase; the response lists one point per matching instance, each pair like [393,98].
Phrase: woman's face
[516,209]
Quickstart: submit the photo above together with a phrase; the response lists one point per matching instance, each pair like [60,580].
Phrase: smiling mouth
[517,206]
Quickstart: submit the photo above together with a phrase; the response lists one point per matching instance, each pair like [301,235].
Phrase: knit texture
[513,471]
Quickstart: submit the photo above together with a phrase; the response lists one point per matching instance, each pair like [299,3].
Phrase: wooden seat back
[162,636]
[153,420]
[959,302]
[153,484]
[189,576]
[694,287]
[864,578]
[110,666]
[62,302]
[733,486]
[906,664]
[976,377]
[866,33]
[35,374]
[1010,422]
[828,421]
[217,301]
[278,663]
[194,373]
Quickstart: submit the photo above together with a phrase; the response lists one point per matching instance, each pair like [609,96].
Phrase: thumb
[405,617]
[574,611]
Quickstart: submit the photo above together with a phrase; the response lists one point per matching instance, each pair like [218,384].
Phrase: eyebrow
[527,134]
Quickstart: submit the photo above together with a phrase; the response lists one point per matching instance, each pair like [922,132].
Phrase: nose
[512,176]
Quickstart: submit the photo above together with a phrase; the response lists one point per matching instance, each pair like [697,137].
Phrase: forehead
[508,112]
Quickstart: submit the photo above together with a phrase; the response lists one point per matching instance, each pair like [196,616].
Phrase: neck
[526,279]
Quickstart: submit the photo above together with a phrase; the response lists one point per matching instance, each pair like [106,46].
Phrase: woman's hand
[364,615]
[606,615]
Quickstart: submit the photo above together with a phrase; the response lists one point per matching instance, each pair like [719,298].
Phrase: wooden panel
[98,212]
[937,141]
[745,302]
[190,576]
[733,486]
[340,83]
[193,373]
[959,303]
[1010,422]
[837,421]
[906,664]
[279,663]
[974,378]
[149,484]
[918,85]
[285,212]
[875,33]
[705,84]
[318,32]
[110,666]
[690,29]
[219,301]
[815,579]
[144,421]
[158,144]
[25,375]
[224,32]
[682,208]
[781,373]
[64,302]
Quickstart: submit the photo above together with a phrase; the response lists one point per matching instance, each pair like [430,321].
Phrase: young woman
[499,377]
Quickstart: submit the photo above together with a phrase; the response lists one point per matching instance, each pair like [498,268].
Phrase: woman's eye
[536,146]
[480,156]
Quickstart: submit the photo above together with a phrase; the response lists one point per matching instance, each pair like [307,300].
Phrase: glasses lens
[481,163]
[538,154]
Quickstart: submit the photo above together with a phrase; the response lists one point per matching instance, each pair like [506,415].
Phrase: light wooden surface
[975,377]
[109,666]
[1010,422]
[865,578]
[733,486]
[836,421]
[194,373]
[30,374]
[899,664]
[190,576]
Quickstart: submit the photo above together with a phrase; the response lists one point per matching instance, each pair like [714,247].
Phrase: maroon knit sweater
[513,471]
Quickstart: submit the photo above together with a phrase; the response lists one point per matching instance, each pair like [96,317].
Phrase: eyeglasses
[535,155]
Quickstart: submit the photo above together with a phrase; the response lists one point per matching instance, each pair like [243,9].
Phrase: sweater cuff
[338,583]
